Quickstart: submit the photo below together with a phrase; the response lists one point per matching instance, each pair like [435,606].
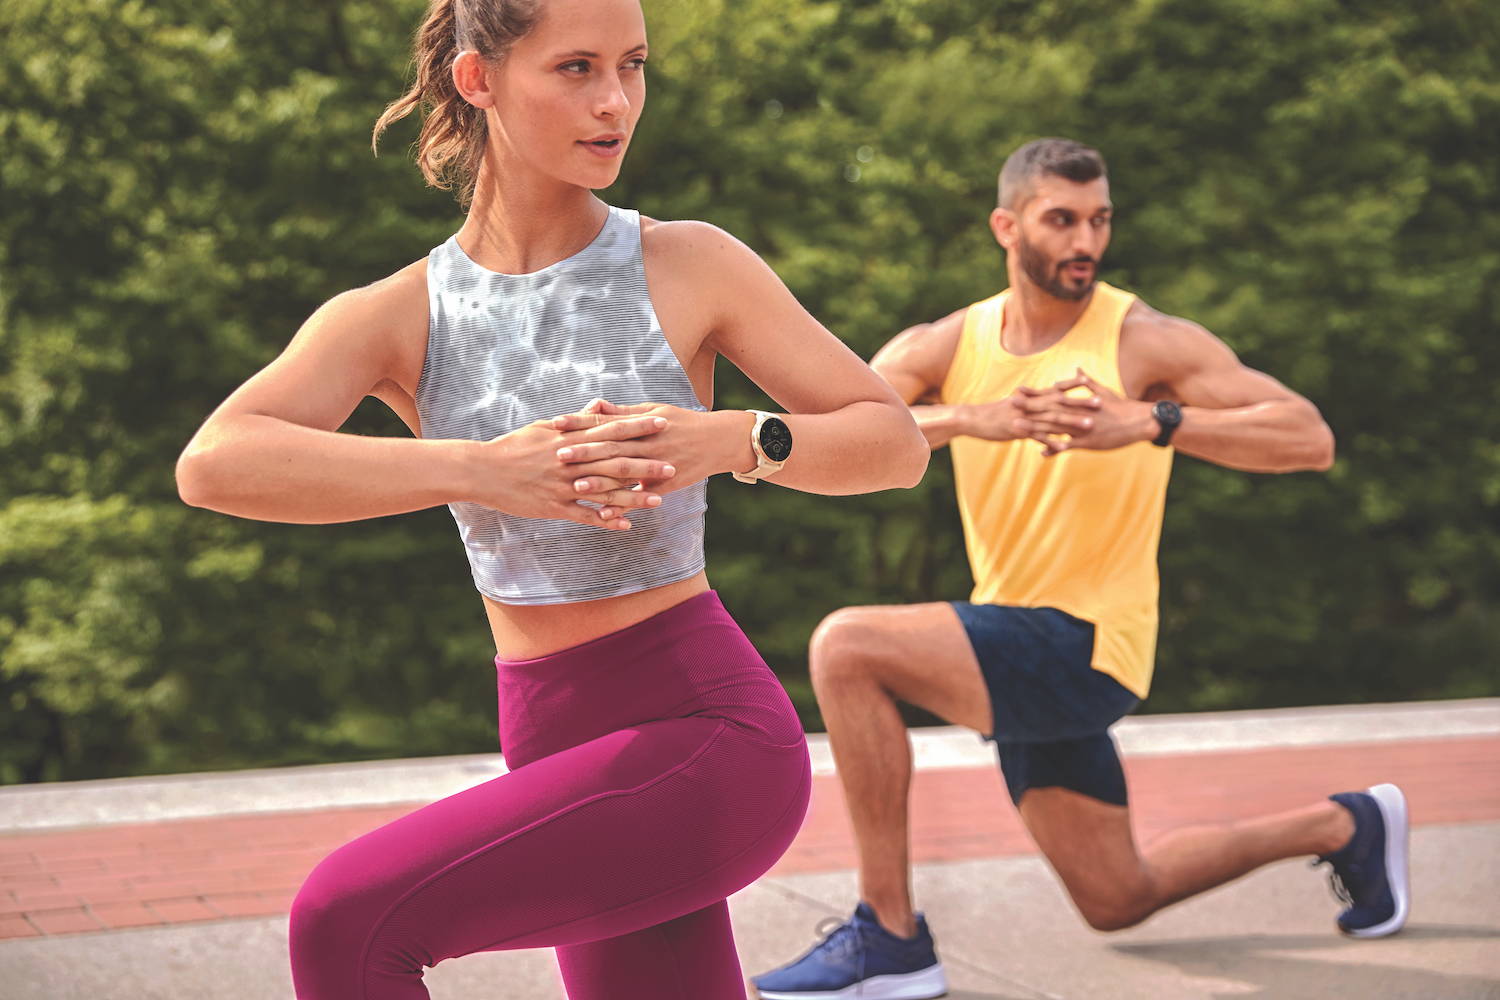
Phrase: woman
[554,360]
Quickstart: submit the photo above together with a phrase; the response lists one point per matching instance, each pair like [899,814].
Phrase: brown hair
[451,144]
[1043,157]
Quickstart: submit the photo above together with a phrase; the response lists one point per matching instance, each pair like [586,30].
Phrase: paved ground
[178,886]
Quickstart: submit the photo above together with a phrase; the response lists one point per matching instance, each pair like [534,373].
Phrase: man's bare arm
[1232,415]
[916,363]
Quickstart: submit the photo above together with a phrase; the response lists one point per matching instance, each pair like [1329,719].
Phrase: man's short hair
[1042,158]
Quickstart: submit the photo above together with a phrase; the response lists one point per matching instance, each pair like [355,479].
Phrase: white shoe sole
[1393,810]
[924,985]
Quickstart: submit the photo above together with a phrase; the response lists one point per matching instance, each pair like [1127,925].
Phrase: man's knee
[844,647]
[1124,902]
[1114,914]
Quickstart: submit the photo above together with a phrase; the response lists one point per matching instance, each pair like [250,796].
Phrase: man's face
[1060,233]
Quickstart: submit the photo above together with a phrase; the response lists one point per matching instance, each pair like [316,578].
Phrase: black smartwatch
[1169,415]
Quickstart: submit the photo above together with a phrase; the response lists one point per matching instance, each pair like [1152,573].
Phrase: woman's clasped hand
[589,469]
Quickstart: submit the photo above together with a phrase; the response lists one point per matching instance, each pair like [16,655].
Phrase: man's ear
[472,79]
[1003,224]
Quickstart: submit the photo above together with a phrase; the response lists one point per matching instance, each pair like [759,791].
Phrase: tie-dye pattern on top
[506,349]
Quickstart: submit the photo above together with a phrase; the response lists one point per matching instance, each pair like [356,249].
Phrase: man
[1062,399]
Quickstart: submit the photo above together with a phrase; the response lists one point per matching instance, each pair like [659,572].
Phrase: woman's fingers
[625,470]
[598,427]
[613,409]
[606,451]
[593,517]
[624,499]
[598,413]
[603,490]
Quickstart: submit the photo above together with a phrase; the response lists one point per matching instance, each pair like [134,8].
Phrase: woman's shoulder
[684,235]
[692,248]
[386,318]
[396,293]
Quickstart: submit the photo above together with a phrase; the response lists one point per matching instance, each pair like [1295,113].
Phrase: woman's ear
[472,79]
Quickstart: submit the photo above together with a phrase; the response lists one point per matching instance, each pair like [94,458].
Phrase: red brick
[71,921]
[68,866]
[244,904]
[17,881]
[281,899]
[182,860]
[43,899]
[280,875]
[16,926]
[115,890]
[106,855]
[124,914]
[179,911]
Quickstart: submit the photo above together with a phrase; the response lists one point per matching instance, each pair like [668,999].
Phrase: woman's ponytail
[450,146]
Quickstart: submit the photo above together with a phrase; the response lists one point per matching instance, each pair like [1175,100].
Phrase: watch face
[775,439]
[1167,412]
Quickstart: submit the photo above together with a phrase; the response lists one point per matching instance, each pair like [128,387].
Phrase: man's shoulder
[1157,347]
[1146,328]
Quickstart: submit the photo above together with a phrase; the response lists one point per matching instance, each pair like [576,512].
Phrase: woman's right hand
[522,474]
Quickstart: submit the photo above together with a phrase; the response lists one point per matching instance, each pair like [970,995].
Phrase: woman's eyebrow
[582,53]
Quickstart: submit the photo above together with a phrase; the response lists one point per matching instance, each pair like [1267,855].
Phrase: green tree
[182,183]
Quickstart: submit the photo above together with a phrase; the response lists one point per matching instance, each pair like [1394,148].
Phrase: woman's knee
[333,918]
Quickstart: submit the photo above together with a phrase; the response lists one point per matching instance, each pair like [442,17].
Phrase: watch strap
[765,465]
[1169,416]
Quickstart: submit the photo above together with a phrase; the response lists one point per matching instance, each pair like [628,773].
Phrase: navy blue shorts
[1052,709]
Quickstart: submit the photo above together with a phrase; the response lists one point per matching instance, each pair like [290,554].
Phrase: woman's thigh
[627,831]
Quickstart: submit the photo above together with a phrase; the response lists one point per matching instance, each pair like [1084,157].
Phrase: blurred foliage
[181,183]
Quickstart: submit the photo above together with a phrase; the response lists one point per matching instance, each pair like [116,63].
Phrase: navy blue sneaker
[861,959]
[1369,873]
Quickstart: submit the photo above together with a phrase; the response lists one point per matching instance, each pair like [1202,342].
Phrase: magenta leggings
[652,773]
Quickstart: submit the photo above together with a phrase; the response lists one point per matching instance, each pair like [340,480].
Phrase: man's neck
[1034,319]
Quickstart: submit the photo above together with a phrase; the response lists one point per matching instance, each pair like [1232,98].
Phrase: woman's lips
[605,148]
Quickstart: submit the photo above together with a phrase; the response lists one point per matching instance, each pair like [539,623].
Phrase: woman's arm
[271,451]
[851,433]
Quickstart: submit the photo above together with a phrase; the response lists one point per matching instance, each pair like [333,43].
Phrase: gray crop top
[506,349]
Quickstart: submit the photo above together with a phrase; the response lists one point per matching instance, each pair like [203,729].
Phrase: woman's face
[568,95]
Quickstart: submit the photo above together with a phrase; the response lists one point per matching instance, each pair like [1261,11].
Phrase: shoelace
[840,938]
[1336,882]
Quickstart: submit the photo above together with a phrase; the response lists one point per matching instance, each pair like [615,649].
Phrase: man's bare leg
[1090,846]
[863,660]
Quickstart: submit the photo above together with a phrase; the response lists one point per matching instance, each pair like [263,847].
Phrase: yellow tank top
[1079,531]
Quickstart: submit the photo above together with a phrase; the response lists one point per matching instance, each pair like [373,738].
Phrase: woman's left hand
[695,443]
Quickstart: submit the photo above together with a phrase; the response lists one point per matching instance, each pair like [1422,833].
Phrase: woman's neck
[521,222]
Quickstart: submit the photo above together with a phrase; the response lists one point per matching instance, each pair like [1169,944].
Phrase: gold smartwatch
[771,440]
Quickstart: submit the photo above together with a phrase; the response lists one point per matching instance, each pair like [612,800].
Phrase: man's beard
[1049,278]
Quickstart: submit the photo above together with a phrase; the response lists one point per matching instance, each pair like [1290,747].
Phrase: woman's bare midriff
[527,631]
